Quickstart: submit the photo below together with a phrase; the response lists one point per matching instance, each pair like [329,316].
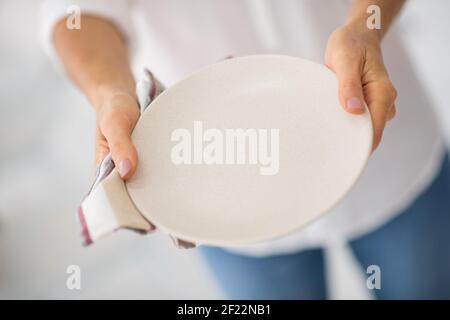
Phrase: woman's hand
[96,58]
[117,115]
[355,56]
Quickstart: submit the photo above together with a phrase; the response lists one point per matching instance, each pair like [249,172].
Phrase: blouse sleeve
[53,11]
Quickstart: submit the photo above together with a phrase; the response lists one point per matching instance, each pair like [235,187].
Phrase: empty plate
[246,150]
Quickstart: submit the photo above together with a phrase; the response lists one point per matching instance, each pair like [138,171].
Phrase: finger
[391,113]
[380,96]
[347,67]
[117,132]
[101,147]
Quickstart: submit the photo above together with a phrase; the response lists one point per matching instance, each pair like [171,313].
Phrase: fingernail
[355,104]
[124,167]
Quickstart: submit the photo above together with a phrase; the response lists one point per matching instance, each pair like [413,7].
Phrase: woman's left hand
[356,58]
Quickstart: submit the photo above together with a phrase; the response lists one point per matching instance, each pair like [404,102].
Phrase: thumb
[117,126]
[123,152]
[348,73]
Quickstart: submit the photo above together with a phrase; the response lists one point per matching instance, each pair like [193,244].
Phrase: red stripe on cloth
[87,240]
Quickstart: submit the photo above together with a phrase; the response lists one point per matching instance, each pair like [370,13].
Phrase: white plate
[322,151]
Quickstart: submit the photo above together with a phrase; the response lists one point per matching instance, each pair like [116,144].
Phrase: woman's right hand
[117,114]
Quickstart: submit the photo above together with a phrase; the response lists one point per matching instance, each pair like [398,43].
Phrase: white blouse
[174,38]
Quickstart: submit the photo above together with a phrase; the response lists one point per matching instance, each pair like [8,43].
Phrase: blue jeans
[412,250]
